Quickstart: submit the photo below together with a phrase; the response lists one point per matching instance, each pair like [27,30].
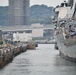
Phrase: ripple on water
[45,60]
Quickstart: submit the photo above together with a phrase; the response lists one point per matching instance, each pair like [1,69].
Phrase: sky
[33,2]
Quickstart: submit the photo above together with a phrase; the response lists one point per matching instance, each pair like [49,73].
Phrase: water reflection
[63,62]
[42,61]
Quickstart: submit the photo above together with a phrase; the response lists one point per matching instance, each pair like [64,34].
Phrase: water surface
[45,60]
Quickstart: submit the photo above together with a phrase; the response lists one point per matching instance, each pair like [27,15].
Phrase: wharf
[7,53]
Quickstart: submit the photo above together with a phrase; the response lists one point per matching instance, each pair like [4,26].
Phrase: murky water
[42,61]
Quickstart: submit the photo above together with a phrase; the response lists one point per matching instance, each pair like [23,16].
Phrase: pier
[7,53]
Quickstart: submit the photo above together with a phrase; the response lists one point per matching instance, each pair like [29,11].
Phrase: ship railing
[71,41]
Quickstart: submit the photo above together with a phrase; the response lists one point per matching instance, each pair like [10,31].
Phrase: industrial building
[19,12]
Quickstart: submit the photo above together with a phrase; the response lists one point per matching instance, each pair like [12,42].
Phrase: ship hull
[68,52]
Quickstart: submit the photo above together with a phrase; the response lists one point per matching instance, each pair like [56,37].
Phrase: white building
[22,37]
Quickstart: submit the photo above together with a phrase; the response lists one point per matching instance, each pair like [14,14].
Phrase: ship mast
[71,3]
[74,14]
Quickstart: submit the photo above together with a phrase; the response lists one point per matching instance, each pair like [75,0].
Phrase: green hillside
[38,14]
[41,14]
[3,15]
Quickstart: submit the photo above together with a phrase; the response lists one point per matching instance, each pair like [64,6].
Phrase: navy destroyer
[65,29]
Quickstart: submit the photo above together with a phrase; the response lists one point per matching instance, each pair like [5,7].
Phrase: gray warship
[65,29]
